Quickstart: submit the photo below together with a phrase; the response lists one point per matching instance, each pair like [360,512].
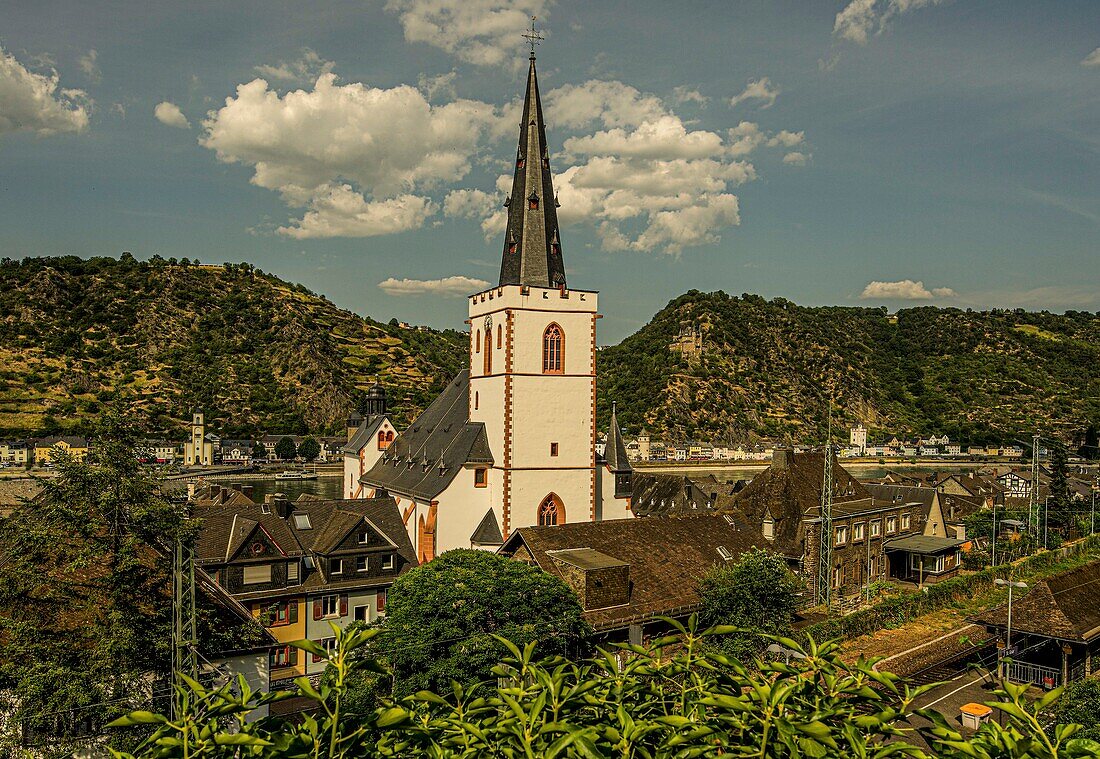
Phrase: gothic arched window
[551,511]
[500,334]
[477,343]
[553,350]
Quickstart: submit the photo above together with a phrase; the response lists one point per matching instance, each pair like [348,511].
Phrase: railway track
[983,655]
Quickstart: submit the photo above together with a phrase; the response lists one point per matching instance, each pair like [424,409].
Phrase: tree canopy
[285,449]
[441,618]
[757,594]
[309,449]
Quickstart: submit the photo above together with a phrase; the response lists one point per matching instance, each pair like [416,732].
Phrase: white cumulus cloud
[643,178]
[1092,60]
[171,115]
[34,102]
[795,158]
[360,159]
[758,89]
[904,289]
[482,32]
[447,286]
[858,20]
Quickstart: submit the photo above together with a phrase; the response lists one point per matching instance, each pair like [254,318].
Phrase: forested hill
[258,354]
[767,367]
[263,355]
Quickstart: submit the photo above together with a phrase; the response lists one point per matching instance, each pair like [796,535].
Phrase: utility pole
[993,561]
[825,547]
[1033,502]
[184,621]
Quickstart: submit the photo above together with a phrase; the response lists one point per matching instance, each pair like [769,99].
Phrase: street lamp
[1008,634]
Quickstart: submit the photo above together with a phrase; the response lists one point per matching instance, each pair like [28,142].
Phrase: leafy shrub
[676,698]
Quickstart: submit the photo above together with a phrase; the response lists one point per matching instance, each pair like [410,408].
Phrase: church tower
[533,355]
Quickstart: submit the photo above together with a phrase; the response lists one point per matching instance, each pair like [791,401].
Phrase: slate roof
[73,441]
[664,494]
[956,508]
[536,257]
[424,459]
[365,433]
[667,557]
[487,533]
[790,490]
[614,452]
[1065,606]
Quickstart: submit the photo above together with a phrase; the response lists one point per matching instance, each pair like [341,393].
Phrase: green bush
[675,698]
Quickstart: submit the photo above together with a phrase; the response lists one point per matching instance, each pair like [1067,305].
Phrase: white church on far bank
[511,441]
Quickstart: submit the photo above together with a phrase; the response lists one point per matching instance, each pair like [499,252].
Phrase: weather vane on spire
[533,37]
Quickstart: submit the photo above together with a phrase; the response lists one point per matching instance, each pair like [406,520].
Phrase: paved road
[971,686]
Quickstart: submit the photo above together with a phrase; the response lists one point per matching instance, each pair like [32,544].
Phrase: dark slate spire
[614,452]
[532,247]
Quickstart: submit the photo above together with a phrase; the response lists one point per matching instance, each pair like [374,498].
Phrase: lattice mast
[1033,502]
[184,620]
[825,536]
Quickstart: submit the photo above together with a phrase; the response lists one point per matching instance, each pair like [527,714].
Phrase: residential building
[198,450]
[628,573]
[15,452]
[511,439]
[158,451]
[236,452]
[299,565]
[784,504]
[47,448]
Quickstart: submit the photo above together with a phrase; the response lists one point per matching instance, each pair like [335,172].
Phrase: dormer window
[533,201]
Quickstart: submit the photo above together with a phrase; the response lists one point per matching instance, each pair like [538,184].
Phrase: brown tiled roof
[1065,606]
[667,556]
[790,490]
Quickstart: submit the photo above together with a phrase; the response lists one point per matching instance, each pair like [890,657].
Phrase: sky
[855,152]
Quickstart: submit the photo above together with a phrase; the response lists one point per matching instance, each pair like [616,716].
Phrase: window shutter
[380,600]
[317,612]
[343,605]
[292,612]
[292,657]
[315,657]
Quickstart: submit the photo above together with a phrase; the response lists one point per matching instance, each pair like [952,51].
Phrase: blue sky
[895,152]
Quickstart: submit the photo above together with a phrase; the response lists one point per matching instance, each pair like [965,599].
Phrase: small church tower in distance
[533,353]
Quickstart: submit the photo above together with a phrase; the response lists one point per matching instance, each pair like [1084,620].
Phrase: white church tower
[511,440]
[533,354]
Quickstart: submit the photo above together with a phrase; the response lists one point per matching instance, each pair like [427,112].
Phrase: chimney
[223,492]
[248,490]
[281,505]
[779,458]
[236,486]
[190,491]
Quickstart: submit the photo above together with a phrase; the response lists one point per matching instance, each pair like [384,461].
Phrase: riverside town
[474,454]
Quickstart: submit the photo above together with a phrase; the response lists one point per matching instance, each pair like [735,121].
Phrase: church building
[368,436]
[511,441]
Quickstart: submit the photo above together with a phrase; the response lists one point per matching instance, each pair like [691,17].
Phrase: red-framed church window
[551,511]
[553,350]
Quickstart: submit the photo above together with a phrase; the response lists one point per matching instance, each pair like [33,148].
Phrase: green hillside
[767,368]
[260,354]
[257,353]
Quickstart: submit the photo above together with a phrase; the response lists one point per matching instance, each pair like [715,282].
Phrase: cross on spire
[533,37]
